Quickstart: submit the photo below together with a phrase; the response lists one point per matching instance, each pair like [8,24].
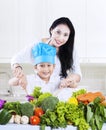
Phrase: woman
[62,36]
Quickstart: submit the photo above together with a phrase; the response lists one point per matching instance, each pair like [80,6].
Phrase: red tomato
[38,111]
[34,120]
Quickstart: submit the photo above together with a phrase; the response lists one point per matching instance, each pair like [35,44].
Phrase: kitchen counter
[14,98]
[28,127]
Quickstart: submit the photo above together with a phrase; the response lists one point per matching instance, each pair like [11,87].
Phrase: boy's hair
[43,52]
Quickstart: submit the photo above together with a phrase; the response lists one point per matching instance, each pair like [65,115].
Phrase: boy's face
[44,70]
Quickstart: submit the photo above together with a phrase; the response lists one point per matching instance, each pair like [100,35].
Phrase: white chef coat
[35,81]
[24,56]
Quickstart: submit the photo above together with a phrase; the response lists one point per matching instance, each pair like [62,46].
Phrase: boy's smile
[44,70]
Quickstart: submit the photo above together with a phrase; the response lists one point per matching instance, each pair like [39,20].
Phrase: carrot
[89,97]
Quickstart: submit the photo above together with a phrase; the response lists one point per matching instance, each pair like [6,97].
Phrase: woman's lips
[58,42]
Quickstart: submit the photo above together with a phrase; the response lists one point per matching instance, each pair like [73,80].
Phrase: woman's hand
[68,82]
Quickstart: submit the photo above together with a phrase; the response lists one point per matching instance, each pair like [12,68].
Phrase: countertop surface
[28,127]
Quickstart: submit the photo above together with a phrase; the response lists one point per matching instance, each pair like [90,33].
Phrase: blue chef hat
[43,52]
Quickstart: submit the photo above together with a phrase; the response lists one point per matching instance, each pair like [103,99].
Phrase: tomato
[34,120]
[38,111]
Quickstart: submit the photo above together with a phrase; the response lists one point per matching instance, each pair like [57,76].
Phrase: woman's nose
[61,38]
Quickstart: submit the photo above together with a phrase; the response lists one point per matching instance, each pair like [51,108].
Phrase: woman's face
[44,70]
[59,35]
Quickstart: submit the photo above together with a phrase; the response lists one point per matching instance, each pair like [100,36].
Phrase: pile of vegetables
[63,115]
[83,109]
[16,112]
[93,105]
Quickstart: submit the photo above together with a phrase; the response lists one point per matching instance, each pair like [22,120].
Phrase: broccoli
[26,109]
[42,97]
[49,103]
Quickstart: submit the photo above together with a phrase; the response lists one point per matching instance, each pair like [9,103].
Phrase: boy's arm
[22,81]
[13,81]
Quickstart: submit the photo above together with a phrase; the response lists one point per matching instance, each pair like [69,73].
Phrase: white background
[23,21]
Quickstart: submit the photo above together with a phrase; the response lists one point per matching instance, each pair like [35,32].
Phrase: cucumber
[5,116]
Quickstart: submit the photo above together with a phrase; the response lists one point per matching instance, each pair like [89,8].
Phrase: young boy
[44,63]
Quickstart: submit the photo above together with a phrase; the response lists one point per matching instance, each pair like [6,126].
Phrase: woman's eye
[58,32]
[66,34]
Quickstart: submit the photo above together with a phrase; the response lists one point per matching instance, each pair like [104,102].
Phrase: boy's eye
[49,65]
[41,65]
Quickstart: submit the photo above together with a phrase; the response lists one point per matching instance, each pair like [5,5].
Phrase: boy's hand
[23,81]
[17,71]
[13,81]
[19,74]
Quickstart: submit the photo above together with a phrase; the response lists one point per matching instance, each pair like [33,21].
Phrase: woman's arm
[23,56]
[76,70]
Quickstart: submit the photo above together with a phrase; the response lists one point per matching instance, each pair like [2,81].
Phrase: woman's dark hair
[65,52]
